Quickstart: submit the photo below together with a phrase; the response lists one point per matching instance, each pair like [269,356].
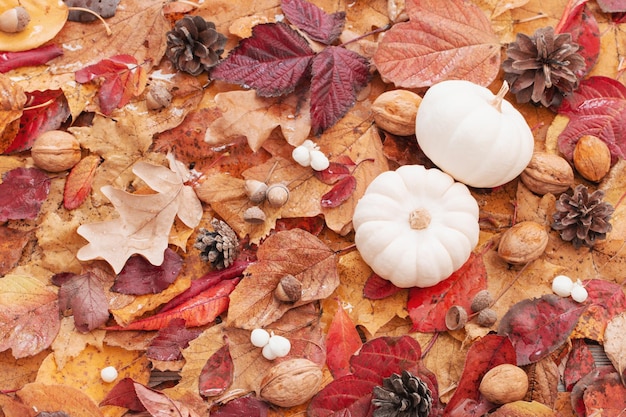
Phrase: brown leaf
[543,382]
[51,398]
[293,252]
[12,243]
[78,183]
[444,40]
[615,342]
[12,100]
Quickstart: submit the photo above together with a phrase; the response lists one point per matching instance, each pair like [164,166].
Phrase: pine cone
[218,247]
[194,45]
[582,218]
[402,396]
[543,68]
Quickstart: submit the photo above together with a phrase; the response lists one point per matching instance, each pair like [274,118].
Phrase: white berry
[579,292]
[309,144]
[279,345]
[319,161]
[562,285]
[268,353]
[259,337]
[108,374]
[301,154]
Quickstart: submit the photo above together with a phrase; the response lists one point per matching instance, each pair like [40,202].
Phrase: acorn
[277,195]
[158,97]
[14,20]
[254,215]
[256,191]
[456,317]
[482,300]
[289,289]
[487,317]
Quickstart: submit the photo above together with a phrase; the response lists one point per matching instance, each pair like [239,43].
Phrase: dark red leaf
[272,61]
[608,394]
[342,341]
[335,172]
[248,406]
[382,357]
[579,363]
[319,25]
[79,181]
[217,373]
[490,351]
[348,394]
[313,225]
[612,6]
[22,192]
[377,288]
[123,395]
[342,191]
[38,56]
[338,74]
[139,277]
[539,326]
[41,119]
[581,23]
[597,108]
[171,340]
[428,306]
[84,295]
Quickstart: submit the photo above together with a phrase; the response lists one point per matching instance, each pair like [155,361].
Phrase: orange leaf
[342,341]
[78,183]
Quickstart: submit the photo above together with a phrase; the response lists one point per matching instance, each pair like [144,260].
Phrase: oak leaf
[441,41]
[145,220]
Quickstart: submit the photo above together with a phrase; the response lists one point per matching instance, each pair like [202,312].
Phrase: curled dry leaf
[12,100]
[47,18]
[615,342]
[78,182]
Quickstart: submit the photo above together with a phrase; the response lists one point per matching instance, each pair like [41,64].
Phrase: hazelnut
[486,317]
[547,173]
[522,243]
[254,215]
[289,289]
[277,195]
[456,317]
[14,20]
[55,151]
[482,300]
[395,111]
[158,97]
[592,158]
[291,383]
[256,191]
[504,384]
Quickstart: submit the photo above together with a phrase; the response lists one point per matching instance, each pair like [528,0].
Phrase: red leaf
[578,392]
[41,119]
[538,327]
[335,172]
[198,311]
[606,300]
[272,61]
[313,225]
[428,306]
[339,193]
[597,108]
[217,373]
[607,394]
[342,341]
[171,340]
[338,74]
[78,182]
[139,277]
[581,23]
[248,406]
[490,351]
[38,56]
[399,353]
[377,288]
[612,6]
[84,295]
[579,363]
[349,394]
[22,192]
[123,395]
[319,25]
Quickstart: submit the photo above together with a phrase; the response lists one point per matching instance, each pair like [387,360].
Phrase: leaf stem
[84,9]
[38,106]
[373,32]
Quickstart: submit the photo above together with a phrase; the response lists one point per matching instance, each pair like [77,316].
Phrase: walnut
[395,111]
[592,158]
[547,173]
[55,151]
[504,384]
[291,383]
[522,243]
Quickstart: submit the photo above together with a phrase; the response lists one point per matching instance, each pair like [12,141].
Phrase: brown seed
[14,20]
[254,215]
[277,195]
[289,289]
[592,158]
[482,300]
[255,190]
[487,317]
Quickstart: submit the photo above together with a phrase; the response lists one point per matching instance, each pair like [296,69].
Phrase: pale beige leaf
[615,342]
[58,397]
[70,342]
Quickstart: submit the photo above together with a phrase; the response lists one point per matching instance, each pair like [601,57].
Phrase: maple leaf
[84,295]
[145,220]
[442,40]
[319,25]
[122,78]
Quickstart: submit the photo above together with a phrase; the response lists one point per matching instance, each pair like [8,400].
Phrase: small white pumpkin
[477,137]
[415,226]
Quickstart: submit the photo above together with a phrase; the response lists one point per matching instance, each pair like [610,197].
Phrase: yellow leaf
[58,397]
[47,18]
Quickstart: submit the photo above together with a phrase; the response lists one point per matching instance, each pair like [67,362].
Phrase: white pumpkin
[415,226]
[477,137]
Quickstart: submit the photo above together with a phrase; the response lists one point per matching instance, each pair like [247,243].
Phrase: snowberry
[268,353]
[259,337]
[579,292]
[279,345]
[310,145]
[319,161]
[108,374]
[562,285]
[302,155]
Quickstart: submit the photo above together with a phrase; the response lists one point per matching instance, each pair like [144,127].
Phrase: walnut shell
[395,111]
[547,173]
[55,151]
[522,243]
[504,384]
[592,158]
[292,382]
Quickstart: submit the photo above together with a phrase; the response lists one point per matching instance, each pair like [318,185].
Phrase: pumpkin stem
[419,219]
[497,100]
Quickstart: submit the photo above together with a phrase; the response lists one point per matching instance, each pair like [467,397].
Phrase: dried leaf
[612,6]
[12,100]
[606,300]
[342,341]
[47,18]
[171,340]
[217,374]
[159,404]
[244,406]
[607,394]
[12,243]
[580,22]
[22,192]
[335,172]
[37,56]
[340,192]
[580,362]
[51,398]
[544,378]
[84,295]
[79,180]
[443,40]
[615,342]
[377,288]
[140,277]
[319,25]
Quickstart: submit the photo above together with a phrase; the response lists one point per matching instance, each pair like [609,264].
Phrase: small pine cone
[543,68]
[218,247]
[402,396]
[582,218]
[194,45]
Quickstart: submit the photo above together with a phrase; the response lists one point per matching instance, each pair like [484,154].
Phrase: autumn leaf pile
[98,265]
